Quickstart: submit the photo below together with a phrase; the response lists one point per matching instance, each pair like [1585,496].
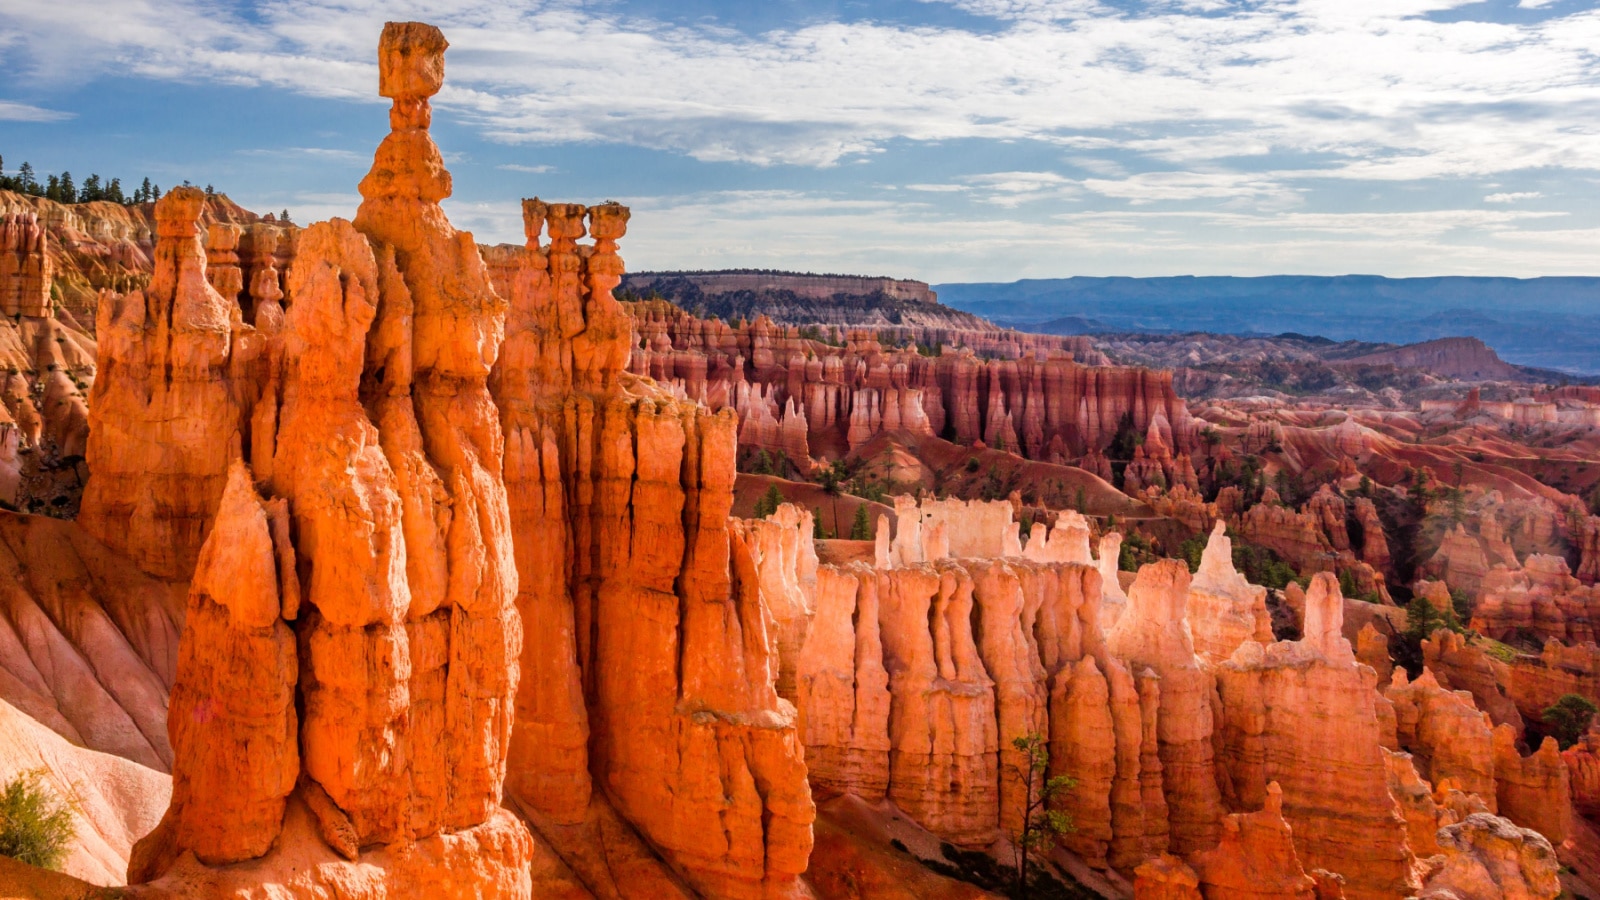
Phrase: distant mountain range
[1552,323]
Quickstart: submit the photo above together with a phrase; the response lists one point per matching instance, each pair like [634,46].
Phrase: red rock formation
[843,688]
[654,641]
[235,736]
[1460,665]
[1588,541]
[1224,609]
[178,371]
[1153,634]
[1533,790]
[1166,877]
[1280,703]
[1486,857]
[1297,537]
[406,633]
[25,267]
[1374,544]
[1448,736]
[88,643]
[944,735]
[1583,774]
[1255,858]
[1038,404]
[1539,599]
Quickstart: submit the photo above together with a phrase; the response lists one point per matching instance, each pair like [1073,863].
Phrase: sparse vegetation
[1569,718]
[769,502]
[35,825]
[861,526]
[1041,823]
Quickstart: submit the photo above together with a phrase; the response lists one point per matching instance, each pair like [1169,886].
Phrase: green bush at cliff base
[35,826]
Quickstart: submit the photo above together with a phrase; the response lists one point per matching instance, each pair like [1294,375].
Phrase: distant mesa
[1466,358]
[795,298]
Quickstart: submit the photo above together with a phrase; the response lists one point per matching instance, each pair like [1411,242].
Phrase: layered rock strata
[1043,405]
[179,373]
[1295,711]
[351,638]
[654,672]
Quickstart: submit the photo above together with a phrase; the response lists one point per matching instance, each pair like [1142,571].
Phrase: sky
[944,140]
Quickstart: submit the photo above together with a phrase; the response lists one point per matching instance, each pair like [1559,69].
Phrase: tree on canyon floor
[861,527]
[1041,824]
[35,825]
[769,502]
[1569,718]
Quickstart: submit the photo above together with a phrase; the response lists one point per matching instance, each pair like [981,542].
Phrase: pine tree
[25,175]
[90,190]
[69,191]
[143,195]
[769,502]
[1041,824]
[52,189]
[155,194]
[283,218]
[114,191]
[817,532]
[861,526]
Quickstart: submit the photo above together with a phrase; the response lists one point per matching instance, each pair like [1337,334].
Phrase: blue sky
[949,140]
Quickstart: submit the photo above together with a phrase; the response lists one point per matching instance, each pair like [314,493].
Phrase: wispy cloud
[12,111]
[1374,88]
[1513,196]
[529,170]
[324,153]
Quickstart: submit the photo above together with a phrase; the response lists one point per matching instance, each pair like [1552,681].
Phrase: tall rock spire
[388,554]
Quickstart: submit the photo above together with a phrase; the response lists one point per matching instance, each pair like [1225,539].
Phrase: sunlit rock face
[343,702]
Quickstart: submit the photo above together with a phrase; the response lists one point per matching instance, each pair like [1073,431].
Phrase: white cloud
[529,170]
[324,153]
[1513,197]
[1369,87]
[12,111]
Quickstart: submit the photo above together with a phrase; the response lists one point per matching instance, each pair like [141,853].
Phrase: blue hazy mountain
[1553,322]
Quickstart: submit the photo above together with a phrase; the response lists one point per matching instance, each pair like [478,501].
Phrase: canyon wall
[1043,403]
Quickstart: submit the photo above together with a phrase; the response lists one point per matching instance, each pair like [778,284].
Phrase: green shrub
[1569,718]
[35,826]
[861,526]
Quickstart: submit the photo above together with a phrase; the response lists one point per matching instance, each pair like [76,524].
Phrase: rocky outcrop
[1224,609]
[88,643]
[1153,634]
[1465,358]
[1448,736]
[1279,705]
[1486,857]
[1588,541]
[652,640]
[1256,858]
[1539,599]
[1042,403]
[1463,665]
[351,638]
[1533,791]
[178,375]
[25,267]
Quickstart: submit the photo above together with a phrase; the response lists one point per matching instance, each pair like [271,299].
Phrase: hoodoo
[417,565]
[343,702]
